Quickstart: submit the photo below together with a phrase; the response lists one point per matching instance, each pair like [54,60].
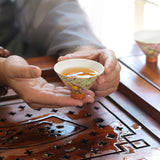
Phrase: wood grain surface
[113,128]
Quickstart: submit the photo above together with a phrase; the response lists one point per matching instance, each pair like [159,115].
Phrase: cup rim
[74,60]
[139,36]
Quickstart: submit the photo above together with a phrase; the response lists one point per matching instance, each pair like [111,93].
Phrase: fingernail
[60,58]
[36,72]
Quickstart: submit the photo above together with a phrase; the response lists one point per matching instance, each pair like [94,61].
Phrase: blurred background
[115,21]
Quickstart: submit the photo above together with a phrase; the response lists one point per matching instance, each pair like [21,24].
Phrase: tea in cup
[78,75]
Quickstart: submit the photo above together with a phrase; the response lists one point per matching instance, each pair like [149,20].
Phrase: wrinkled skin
[109,81]
[26,80]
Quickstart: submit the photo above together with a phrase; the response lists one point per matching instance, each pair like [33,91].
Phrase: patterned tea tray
[95,131]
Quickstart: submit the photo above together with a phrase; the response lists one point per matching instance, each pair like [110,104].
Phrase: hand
[108,82]
[26,80]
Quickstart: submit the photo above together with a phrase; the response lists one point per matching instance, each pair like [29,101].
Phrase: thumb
[68,56]
[87,54]
[73,55]
[24,71]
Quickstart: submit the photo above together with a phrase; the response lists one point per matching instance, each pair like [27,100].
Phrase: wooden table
[123,126]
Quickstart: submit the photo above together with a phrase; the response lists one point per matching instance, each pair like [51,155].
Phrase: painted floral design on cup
[149,43]
[78,84]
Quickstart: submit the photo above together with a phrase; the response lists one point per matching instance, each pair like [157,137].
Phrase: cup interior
[78,85]
[148,36]
[85,63]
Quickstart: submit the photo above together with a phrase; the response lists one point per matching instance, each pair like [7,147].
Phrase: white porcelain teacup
[78,75]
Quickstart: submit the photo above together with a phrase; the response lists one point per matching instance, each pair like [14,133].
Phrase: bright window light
[115,21]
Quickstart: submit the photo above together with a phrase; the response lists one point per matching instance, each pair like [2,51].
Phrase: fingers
[49,96]
[38,106]
[38,93]
[107,88]
[64,102]
[20,69]
[28,71]
[104,56]
[107,83]
[108,59]
[110,76]
[87,54]
[89,97]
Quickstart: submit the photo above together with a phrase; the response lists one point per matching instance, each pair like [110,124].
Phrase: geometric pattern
[76,133]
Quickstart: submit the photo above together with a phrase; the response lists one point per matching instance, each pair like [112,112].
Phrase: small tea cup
[149,43]
[78,84]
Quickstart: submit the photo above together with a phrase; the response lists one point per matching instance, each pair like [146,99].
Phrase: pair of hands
[26,80]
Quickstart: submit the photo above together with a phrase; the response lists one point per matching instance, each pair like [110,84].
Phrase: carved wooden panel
[95,131]
[112,128]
